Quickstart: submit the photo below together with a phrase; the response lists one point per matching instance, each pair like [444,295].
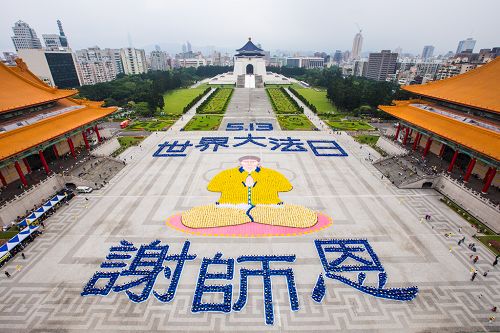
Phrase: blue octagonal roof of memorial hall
[250,47]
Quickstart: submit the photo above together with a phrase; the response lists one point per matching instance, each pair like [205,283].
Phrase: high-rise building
[25,37]
[95,66]
[115,55]
[56,68]
[305,62]
[427,52]
[133,60]
[159,60]
[357,44]
[52,41]
[381,65]
[62,36]
[360,68]
[337,56]
[466,44]
[55,41]
[188,46]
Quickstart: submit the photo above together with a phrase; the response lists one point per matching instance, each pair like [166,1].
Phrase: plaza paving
[43,295]
[249,106]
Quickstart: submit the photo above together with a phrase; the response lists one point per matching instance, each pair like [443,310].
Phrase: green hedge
[282,102]
[217,102]
[303,99]
[195,100]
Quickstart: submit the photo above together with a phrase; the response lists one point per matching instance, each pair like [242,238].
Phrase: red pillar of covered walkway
[27,165]
[86,140]
[97,133]
[427,147]
[417,141]
[21,174]
[452,163]
[396,135]
[44,162]
[405,139]
[2,178]
[441,151]
[470,167]
[490,175]
[71,147]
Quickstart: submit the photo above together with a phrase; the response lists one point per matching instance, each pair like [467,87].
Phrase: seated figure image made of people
[249,193]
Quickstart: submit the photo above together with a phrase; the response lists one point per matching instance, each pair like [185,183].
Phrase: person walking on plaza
[474,275]
[476,258]
[496,261]
[461,241]
[485,273]
[22,255]
[7,274]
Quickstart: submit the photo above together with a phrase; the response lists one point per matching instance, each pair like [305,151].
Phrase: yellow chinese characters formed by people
[249,193]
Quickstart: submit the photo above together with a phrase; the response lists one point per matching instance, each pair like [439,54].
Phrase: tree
[143,109]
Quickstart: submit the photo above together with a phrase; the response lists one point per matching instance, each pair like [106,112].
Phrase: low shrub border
[195,100]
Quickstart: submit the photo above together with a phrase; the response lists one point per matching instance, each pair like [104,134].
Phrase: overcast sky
[322,25]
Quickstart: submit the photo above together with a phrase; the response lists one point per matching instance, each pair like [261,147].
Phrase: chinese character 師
[341,257]
[266,273]
[174,149]
[326,148]
[202,288]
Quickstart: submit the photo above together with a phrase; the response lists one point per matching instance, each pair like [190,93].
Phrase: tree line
[353,94]
[146,90]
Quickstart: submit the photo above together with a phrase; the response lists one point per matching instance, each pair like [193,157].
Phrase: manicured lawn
[126,142]
[11,232]
[491,242]
[468,217]
[204,123]
[370,140]
[281,102]
[217,102]
[295,123]
[150,125]
[317,97]
[177,99]
[349,125]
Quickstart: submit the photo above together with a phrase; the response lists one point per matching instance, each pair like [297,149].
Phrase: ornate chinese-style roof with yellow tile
[479,139]
[479,88]
[19,89]
[23,138]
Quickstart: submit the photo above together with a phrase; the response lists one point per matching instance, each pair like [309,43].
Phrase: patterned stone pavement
[43,294]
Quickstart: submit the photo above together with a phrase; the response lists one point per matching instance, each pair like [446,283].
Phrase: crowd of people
[68,195]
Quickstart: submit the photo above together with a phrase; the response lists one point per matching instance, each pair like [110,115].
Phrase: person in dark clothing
[22,255]
[7,274]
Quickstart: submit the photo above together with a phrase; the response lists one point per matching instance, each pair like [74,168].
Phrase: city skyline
[292,29]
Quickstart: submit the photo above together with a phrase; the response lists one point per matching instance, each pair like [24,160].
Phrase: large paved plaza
[44,292]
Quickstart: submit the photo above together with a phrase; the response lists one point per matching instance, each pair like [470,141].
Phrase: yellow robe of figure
[239,203]
[231,184]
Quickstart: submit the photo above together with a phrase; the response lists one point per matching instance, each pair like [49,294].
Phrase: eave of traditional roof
[478,139]
[478,88]
[25,138]
[250,47]
[19,89]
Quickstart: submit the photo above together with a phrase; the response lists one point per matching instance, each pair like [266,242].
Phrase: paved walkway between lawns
[249,105]
[185,118]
